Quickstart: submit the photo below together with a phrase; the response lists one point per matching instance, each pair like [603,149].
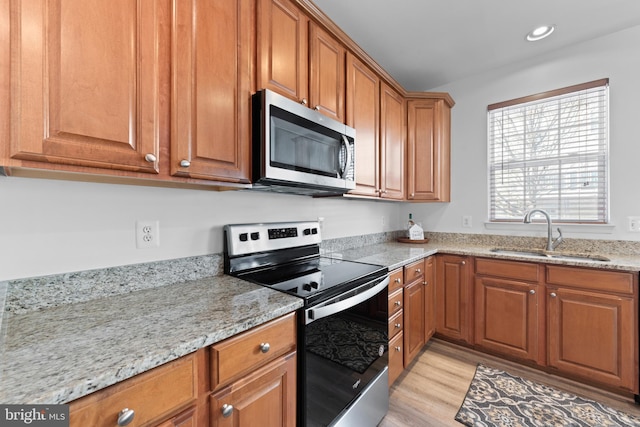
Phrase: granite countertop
[67,336]
[395,255]
[62,353]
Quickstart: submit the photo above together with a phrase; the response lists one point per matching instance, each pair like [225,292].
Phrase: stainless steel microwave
[299,150]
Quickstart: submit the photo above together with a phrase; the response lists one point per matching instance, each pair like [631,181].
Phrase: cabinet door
[327,73]
[363,112]
[453,298]
[392,144]
[89,81]
[591,335]
[429,299]
[413,320]
[211,97]
[506,317]
[266,398]
[428,150]
[282,42]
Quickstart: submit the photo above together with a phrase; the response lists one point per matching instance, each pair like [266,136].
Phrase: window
[550,151]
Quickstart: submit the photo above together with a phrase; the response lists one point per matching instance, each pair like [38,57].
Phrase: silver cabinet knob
[265,347]
[532,291]
[226,410]
[317,108]
[412,195]
[464,263]
[552,295]
[425,283]
[398,348]
[303,101]
[151,158]
[398,325]
[185,163]
[418,271]
[125,416]
[398,303]
[397,280]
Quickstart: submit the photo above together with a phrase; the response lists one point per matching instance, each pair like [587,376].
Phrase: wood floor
[430,392]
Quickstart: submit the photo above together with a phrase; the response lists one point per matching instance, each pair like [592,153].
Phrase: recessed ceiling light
[540,32]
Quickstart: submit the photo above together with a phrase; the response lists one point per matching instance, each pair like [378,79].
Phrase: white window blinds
[550,151]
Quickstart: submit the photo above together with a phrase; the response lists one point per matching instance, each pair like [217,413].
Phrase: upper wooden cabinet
[392,143]
[428,150]
[210,102]
[298,59]
[89,83]
[363,114]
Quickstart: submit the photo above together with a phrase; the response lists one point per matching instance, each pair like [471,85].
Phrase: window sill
[573,228]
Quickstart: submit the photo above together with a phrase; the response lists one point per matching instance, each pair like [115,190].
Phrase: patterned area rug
[346,342]
[496,398]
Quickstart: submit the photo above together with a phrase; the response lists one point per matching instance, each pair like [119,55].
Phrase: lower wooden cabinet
[509,308]
[265,398]
[593,335]
[429,298]
[454,298]
[396,324]
[414,310]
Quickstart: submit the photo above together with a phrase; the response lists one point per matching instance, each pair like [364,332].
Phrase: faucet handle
[559,240]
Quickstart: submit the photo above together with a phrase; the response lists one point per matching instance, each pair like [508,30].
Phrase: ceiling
[424,44]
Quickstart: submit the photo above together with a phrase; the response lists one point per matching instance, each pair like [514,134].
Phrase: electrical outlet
[634,223]
[147,234]
[466,221]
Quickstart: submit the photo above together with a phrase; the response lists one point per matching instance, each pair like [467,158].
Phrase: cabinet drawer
[396,324]
[396,357]
[601,280]
[413,271]
[508,269]
[395,301]
[152,395]
[395,280]
[245,352]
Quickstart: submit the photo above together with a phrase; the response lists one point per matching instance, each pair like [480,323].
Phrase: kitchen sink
[546,254]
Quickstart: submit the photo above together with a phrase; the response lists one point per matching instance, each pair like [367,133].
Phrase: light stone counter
[58,354]
[395,255]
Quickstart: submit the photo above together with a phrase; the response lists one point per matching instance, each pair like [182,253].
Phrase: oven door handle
[328,308]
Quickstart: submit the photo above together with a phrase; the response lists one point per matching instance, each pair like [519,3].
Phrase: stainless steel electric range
[342,327]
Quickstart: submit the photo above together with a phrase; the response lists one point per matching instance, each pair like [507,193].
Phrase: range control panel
[244,239]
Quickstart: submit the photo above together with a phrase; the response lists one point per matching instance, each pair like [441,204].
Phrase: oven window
[344,352]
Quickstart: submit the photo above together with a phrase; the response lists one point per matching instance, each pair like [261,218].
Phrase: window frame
[605,219]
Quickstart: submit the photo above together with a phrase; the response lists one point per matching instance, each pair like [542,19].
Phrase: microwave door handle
[347,160]
[313,314]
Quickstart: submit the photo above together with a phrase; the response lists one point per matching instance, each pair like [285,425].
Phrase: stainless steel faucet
[551,244]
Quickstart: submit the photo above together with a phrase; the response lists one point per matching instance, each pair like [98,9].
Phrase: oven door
[344,362]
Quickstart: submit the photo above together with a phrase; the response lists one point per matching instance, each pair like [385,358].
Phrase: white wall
[50,226]
[616,57]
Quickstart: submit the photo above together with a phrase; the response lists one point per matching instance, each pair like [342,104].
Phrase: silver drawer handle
[150,158]
[265,347]
[125,416]
[185,163]
[226,410]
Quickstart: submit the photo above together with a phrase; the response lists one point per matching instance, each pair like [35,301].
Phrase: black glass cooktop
[315,279]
